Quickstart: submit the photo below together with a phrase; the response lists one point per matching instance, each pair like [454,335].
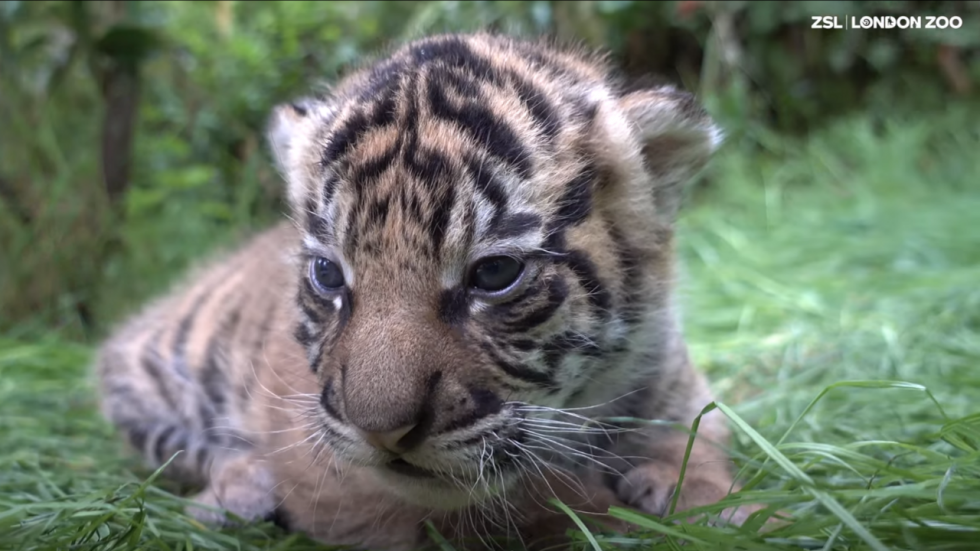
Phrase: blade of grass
[808,485]
[578,522]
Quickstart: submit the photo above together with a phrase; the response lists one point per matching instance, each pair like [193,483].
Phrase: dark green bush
[131,131]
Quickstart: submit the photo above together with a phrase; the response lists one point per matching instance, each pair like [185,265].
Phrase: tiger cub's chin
[441,493]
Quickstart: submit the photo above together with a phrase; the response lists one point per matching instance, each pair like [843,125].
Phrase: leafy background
[831,252]
[131,131]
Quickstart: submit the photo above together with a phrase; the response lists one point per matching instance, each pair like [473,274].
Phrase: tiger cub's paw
[650,487]
[240,488]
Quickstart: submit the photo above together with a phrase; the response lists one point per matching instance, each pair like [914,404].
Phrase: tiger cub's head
[486,231]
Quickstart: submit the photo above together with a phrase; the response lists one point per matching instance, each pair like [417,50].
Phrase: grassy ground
[832,291]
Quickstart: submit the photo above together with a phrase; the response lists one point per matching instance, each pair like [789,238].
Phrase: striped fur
[406,175]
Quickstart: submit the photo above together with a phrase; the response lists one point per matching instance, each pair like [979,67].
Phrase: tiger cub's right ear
[283,128]
[288,128]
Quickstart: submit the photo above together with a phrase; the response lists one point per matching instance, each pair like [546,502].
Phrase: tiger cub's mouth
[405,468]
[438,489]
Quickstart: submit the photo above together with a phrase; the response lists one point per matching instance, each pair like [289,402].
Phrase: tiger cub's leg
[170,411]
[170,387]
[154,408]
[178,379]
[240,485]
[649,485]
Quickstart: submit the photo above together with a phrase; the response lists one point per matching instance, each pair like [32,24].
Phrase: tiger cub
[476,271]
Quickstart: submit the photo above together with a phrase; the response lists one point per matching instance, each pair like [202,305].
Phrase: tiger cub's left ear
[678,138]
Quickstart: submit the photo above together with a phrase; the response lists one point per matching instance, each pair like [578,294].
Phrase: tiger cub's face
[486,230]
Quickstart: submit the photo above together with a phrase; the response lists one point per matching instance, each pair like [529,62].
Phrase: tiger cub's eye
[326,275]
[495,273]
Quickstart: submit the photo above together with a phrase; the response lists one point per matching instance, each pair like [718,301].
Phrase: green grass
[832,292]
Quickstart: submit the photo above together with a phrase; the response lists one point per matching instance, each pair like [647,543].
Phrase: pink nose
[392,440]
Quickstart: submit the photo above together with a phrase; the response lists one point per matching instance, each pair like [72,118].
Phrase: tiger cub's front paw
[240,488]
[650,487]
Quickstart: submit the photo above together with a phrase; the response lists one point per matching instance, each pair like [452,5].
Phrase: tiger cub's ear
[287,130]
[678,138]
[282,128]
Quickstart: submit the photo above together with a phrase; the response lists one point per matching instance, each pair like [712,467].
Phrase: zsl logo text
[886,22]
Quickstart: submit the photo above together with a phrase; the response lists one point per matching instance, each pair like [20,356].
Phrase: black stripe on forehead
[410,203]
[378,213]
[368,171]
[426,201]
[451,70]
[380,113]
[539,105]
[384,76]
[432,169]
[461,84]
[461,70]
[344,138]
[453,52]
[383,91]
[541,62]
[483,126]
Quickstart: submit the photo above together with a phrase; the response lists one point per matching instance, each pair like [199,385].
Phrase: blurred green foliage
[131,132]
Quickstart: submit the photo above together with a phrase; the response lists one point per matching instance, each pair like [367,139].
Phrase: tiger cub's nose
[399,440]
